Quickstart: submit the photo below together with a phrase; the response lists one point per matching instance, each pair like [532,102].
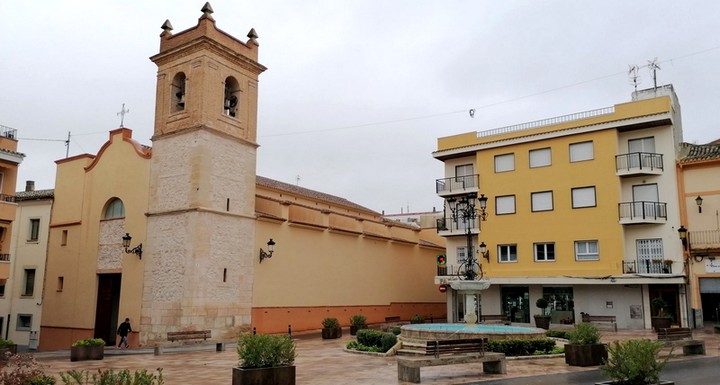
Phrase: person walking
[123,331]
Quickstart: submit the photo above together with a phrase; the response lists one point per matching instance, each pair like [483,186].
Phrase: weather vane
[121,114]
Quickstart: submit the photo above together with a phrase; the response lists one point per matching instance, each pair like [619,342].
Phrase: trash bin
[33,344]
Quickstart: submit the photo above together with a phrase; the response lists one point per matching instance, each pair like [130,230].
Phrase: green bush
[387,341]
[584,333]
[111,377]
[265,350]
[396,330]
[330,323]
[43,379]
[417,318]
[373,341]
[89,342]
[5,343]
[370,337]
[522,347]
[20,369]
[358,320]
[634,362]
[557,334]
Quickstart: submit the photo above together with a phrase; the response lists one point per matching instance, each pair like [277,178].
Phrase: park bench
[190,335]
[450,352]
[495,317]
[674,337]
[600,319]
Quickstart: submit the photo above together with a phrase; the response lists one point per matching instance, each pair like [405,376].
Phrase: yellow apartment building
[9,161]
[699,182]
[581,210]
[177,237]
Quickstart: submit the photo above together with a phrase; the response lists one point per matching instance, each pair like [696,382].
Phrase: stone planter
[280,375]
[585,355]
[5,349]
[83,353]
[660,322]
[328,334]
[542,321]
[354,329]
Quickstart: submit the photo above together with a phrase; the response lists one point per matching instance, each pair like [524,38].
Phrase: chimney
[30,185]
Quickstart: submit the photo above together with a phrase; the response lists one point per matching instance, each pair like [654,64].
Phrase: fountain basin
[433,332]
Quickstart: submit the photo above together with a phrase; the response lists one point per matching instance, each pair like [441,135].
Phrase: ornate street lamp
[464,210]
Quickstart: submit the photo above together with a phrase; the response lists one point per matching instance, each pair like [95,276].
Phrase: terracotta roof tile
[274,184]
[696,152]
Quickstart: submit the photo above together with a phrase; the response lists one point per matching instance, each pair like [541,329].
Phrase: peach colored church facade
[201,215]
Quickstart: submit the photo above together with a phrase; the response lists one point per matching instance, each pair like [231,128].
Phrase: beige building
[22,300]
[200,222]
[699,183]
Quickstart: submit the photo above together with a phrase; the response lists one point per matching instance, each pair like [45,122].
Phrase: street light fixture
[271,248]
[137,250]
[464,210]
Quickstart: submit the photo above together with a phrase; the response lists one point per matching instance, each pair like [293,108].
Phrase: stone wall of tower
[201,210]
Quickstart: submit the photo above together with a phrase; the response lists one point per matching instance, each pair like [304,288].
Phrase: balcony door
[637,146]
[645,197]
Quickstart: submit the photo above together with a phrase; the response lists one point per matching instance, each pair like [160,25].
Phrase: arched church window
[232,94]
[178,92]
[114,209]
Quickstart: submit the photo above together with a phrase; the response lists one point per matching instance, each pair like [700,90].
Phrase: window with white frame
[542,201]
[114,209]
[505,162]
[581,151]
[541,157]
[507,253]
[583,197]
[586,251]
[34,229]
[24,322]
[29,287]
[505,204]
[544,252]
[461,254]
[464,170]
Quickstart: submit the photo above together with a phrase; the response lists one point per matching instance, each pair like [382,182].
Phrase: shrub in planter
[369,340]
[417,319]
[331,328]
[265,359]
[357,322]
[557,334]
[106,376]
[634,362]
[542,320]
[661,319]
[369,337]
[521,347]
[87,349]
[584,347]
[7,347]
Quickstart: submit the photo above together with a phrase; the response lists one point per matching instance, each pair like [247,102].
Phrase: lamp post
[463,209]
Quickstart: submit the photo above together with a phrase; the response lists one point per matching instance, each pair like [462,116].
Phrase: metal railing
[452,225]
[7,198]
[642,210]
[639,161]
[704,238]
[648,266]
[8,132]
[457,183]
[4,257]
[547,122]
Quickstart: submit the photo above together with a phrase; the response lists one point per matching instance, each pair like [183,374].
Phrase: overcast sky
[356,92]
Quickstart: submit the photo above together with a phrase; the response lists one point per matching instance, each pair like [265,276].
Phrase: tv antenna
[633,73]
[653,67]
[297,180]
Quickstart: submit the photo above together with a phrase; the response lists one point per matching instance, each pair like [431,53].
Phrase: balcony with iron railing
[447,226]
[4,257]
[457,185]
[704,239]
[638,163]
[639,212]
[648,266]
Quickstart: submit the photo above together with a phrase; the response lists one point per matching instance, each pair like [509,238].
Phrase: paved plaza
[324,362]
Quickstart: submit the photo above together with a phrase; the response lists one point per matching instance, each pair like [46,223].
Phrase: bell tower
[201,212]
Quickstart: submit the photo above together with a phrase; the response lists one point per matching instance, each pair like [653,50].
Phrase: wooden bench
[392,319]
[673,337]
[495,317]
[191,335]
[600,318]
[451,352]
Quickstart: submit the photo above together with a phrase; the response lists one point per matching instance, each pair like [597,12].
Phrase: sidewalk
[323,362]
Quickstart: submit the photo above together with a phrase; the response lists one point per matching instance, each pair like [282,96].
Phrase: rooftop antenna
[121,114]
[67,146]
[633,73]
[297,180]
[653,67]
